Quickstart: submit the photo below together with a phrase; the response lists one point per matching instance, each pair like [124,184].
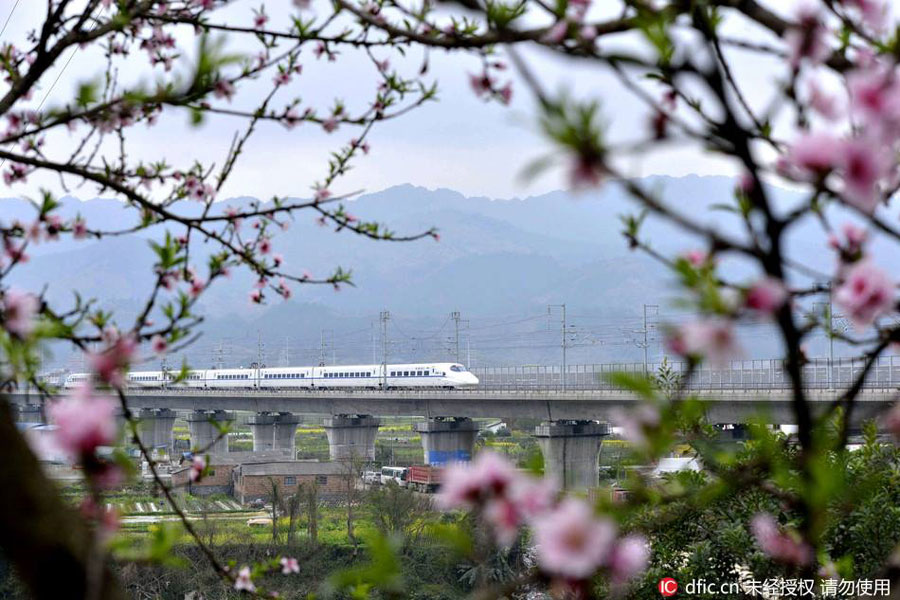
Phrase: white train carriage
[147,379]
[73,380]
[286,378]
[193,379]
[398,376]
[224,379]
[436,375]
[347,376]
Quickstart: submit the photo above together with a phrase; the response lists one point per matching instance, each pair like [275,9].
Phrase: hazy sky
[460,142]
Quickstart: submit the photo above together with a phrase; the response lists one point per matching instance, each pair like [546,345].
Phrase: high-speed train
[406,376]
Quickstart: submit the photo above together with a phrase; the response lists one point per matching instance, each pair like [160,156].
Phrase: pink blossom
[159,344]
[697,258]
[290,118]
[629,557]
[855,238]
[256,296]
[282,78]
[823,103]
[322,194]
[302,4]
[873,12]
[19,312]
[814,154]
[713,339]
[481,84]
[111,363]
[505,93]
[504,518]
[289,565]
[265,245]
[330,124]
[557,33]
[260,19]
[533,496]
[863,164]
[585,172]
[224,89]
[806,40]
[243,582]
[866,293]
[892,420]
[198,466]
[79,228]
[588,33]
[636,423]
[284,289]
[875,99]
[778,545]
[277,259]
[83,422]
[16,172]
[197,287]
[766,295]
[465,484]
[571,542]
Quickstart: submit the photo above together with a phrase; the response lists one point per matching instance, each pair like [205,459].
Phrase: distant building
[253,481]
[674,464]
[218,479]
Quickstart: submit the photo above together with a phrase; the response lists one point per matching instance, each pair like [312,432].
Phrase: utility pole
[562,307]
[830,317]
[374,346]
[384,317]
[260,350]
[286,353]
[455,316]
[323,348]
[645,331]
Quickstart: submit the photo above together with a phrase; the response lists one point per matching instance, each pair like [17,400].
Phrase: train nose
[471,379]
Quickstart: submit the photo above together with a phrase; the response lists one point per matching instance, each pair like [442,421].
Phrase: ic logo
[668,586]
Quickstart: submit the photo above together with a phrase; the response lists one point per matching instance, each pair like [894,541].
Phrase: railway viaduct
[574,422]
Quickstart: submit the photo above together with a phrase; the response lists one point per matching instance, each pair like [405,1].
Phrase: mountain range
[499,263]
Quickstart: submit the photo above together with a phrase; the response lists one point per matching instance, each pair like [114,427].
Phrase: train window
[457,368]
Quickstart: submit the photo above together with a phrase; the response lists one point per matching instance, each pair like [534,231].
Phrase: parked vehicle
[395,474]
[371,477]
[424,478]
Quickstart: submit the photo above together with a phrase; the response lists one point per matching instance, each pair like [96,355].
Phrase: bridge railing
[737,375]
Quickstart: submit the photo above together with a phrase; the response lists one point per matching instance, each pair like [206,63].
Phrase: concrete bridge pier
[155,428]
[204,434]
[351,436]
[447,440]
[262,425]
[274,431]
[28,413]
[570,450]
[286,431]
